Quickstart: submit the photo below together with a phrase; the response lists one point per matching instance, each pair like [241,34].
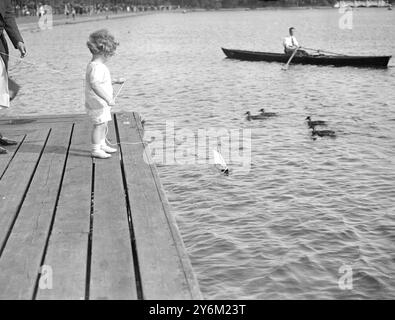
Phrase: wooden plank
[112,269]
[162,269]
[17,128]
[186,263]
[67,247]
[16,179]
[21,258]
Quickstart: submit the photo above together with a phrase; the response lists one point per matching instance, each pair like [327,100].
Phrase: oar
[290,59]
[338,54]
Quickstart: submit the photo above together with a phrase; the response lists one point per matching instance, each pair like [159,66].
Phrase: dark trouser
[4,49]
[299,53]
[12,85]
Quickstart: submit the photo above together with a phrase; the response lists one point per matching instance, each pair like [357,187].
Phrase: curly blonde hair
[102,42]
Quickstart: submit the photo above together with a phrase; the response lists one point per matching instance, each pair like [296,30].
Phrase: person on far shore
[66,10]
[99,94]
[291,44]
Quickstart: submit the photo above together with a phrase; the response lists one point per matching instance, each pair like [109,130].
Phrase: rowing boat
[317,59]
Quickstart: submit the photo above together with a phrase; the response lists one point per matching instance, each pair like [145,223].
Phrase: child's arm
[97,89]
[97,77]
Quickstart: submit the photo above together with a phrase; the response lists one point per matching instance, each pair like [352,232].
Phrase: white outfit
[97,108]
[290,42]
[4,91]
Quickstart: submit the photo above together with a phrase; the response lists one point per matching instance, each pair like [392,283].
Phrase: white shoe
[101,154]
[108,149]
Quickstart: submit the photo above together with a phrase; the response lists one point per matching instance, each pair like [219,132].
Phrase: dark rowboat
[319,59]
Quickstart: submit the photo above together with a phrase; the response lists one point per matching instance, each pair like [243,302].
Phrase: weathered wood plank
[22,255]
[112,269]
[165,270]
[18,128]
[186,263]
[67,248]
[16,180]
[163,274]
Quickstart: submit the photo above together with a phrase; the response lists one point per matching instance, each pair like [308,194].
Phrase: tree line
[209,4]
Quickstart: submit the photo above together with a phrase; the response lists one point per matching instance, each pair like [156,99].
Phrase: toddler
[99,96]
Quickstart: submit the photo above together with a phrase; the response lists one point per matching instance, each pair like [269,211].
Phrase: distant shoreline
[31,22]
[279,8]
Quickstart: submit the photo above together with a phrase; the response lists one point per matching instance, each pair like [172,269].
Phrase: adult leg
[2,150]
[4,50]
[4,94]
[302,53]
[13,88]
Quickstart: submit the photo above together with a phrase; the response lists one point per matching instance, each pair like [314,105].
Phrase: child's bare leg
[98,134]
[103,143]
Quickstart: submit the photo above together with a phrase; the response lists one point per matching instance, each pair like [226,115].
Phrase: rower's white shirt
[290,42]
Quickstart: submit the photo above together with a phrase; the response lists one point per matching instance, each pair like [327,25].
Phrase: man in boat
[8,88]
[291,44]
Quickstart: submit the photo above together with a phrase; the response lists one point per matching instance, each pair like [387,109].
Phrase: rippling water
[307,207]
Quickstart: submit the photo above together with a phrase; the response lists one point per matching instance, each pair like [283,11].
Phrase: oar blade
[285,68]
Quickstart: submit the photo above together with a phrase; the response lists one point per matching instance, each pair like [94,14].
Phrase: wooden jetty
[74,227]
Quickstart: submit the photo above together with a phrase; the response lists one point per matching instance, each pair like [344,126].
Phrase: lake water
[306,208]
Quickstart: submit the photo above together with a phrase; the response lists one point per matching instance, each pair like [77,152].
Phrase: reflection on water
[307,207]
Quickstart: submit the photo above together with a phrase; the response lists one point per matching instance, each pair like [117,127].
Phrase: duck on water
[312,124]
[254,117]
[323,133]
[267,114]
[262,115]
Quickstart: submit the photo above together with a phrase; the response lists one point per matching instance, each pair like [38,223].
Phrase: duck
[312,124]
[323,133]
[255,117]
[267,114]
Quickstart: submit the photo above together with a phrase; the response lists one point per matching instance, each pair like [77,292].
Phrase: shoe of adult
[7,142]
